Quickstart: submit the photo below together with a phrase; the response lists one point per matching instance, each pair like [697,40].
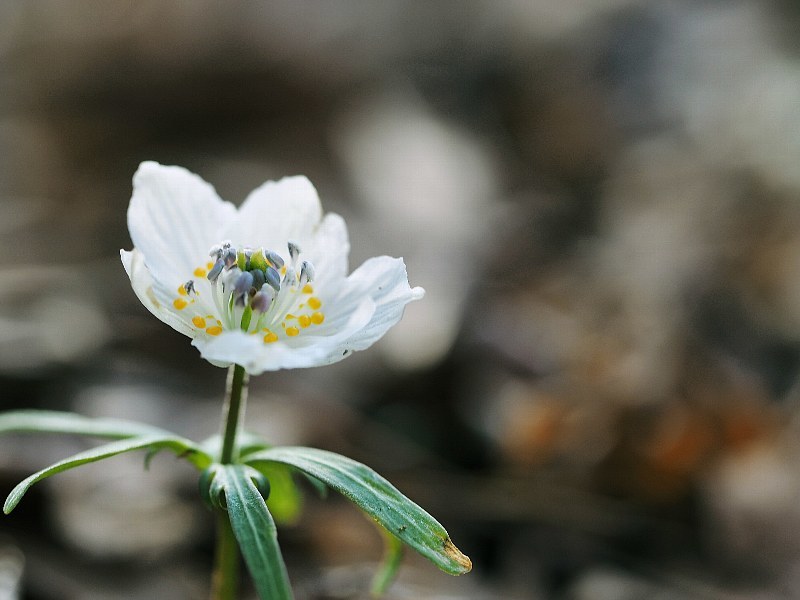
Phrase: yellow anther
[292,331]
[179,303]
[182,291]
[214,330]
[283,270]
[308,289]
[317,318]
[199,322]
[304,321]
[199,272]
[290,316]
[209,266]
[314,303]
[270,337]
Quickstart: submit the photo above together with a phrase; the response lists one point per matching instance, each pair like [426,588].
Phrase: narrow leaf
[392,557]
[51,421]
[255,531]
[285,502]
[183,448]
[378,498]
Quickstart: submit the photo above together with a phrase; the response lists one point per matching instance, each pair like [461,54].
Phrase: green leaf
[254,529]
[392,557]
[182,447]
[285,502]
[50,421]
[378,498]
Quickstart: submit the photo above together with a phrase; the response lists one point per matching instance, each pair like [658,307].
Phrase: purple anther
[229,256]
[260,302]
[243,283]
[273,279]
[259,278]
[274,258]
[213,274]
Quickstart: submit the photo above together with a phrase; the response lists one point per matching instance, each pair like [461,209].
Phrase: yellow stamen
[199,272]
[317,318]
[179,303]
[304,321]
[199,322]
[308,289]
[182,291]
[209,265]
[314,303]
[290,316]
[214,330]
[292,331]
[270,337]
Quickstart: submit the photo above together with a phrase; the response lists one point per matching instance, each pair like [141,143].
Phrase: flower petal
[328,249]
[142,284]
[275,213]
[383,279]
[174,218]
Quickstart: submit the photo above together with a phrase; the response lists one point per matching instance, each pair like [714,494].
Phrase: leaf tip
[461,559]
[9,505]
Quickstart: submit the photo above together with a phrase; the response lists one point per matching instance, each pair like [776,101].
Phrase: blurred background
[599,395]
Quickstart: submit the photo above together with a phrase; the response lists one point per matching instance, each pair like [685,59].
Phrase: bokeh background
[599,395]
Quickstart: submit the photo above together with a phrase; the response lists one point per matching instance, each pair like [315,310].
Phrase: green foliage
[243,490]
[50,421]
[285,501]
[181,447]
[375,496]
[233,488]
[392,557]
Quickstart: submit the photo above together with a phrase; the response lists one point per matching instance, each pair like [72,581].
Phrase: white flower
[264,286]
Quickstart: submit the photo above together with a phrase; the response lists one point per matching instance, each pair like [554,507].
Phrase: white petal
[328,250]
[384,280]
[275,213]
[174,218]
[303,351]
[142,284]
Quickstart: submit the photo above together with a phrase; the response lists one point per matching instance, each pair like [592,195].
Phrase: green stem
[233,412]
[225,578]
[387,571]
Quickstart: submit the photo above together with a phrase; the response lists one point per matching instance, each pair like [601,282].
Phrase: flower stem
[233,412]
[225,578]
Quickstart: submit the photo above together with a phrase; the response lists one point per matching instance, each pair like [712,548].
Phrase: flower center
[254,290]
